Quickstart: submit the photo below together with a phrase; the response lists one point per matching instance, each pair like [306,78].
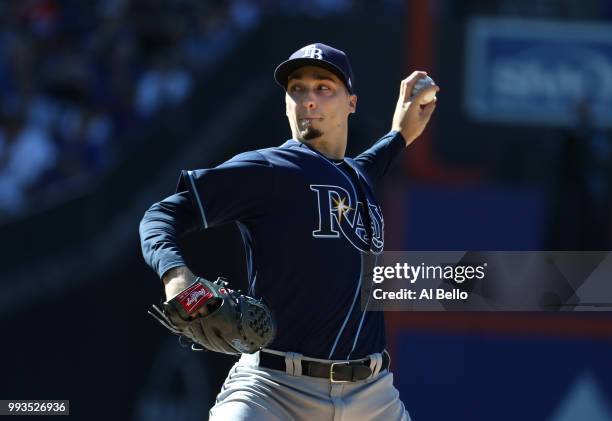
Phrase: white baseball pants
[256,393]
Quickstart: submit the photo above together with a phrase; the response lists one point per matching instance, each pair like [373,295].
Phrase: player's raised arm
[414,106]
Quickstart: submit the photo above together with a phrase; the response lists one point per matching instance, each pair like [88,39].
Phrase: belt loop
[375,363]
[293,362]
[289,363]
[297,364]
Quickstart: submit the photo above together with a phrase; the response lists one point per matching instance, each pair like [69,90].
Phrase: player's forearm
[379,157]
[161,227]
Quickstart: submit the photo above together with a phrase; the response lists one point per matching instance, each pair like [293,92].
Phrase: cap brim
[282,72]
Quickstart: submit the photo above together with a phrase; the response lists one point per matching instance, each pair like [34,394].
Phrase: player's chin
[311,133]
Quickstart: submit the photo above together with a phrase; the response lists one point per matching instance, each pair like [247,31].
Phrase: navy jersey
[309,224]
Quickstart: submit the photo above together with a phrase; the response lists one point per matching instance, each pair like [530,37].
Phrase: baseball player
[309,220]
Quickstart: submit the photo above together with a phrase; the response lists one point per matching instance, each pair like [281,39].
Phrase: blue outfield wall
[473,218]
[480,377]
[470,374]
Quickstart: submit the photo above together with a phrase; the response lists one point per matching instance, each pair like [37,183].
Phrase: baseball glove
[235,323]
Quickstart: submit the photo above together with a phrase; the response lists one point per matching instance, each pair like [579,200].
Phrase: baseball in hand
[421,84]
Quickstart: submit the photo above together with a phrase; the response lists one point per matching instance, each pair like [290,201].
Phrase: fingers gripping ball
[419,86]
[234,323]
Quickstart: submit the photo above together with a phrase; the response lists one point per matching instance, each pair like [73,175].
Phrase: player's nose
[311,105]
[309,101]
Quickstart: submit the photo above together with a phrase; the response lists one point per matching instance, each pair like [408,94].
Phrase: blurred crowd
[80,79]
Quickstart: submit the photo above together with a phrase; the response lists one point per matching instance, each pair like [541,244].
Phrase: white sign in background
[537,72]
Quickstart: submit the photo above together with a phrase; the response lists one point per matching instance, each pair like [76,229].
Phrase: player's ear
[352,103]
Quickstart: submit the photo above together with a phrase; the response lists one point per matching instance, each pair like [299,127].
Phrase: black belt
[342,371]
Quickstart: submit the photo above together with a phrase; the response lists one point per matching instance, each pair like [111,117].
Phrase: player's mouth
[307,121]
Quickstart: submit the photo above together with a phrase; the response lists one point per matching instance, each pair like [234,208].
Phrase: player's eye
[295,88]
[324,88]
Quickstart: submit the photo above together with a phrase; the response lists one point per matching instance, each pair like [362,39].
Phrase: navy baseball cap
[320,55]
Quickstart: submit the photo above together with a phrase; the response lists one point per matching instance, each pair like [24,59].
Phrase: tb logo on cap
[312,52]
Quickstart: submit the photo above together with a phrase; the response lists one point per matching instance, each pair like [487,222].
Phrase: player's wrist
[406,135]
[177,279]
[398,133]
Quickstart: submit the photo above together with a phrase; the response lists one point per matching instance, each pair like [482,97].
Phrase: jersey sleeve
[161,228]
[376,160]
[237,190]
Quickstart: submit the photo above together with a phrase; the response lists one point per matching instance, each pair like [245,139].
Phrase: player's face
[318,104]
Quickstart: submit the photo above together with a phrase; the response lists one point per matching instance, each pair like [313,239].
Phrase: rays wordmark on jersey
[341,213]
